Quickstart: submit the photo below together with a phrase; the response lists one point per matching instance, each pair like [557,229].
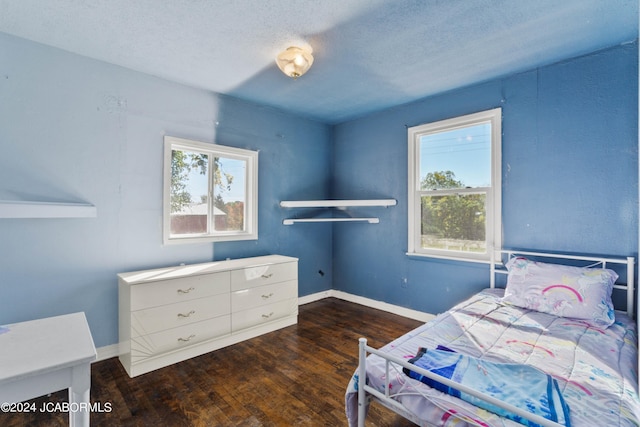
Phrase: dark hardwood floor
[296,376]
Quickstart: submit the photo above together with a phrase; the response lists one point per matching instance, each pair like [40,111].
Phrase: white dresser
[171,314]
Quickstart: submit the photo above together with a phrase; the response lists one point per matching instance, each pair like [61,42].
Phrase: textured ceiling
[369,54]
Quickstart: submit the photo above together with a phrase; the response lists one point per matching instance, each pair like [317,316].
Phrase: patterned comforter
[596,369]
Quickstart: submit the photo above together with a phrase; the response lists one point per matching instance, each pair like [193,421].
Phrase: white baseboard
[315,297]
[107,352]
[113,350]
[379,305]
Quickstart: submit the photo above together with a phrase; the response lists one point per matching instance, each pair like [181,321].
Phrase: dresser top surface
[178,271]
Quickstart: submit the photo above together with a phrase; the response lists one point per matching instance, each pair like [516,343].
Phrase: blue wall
[570,176]
[75,129]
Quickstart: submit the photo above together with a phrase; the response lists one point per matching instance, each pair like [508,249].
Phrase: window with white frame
[454,198]
[210,192]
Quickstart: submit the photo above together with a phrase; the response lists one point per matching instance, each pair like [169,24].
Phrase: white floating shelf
[336,203]
[292,221]
[23,209]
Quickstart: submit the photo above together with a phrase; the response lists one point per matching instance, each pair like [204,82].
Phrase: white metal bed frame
[366,393]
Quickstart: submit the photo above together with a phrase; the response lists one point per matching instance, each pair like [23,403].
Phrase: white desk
[46,355]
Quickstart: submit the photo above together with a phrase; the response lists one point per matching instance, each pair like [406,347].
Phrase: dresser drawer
[156,319]
[251,277]
[263,314]
[145,346]
[263,295]
[177,290]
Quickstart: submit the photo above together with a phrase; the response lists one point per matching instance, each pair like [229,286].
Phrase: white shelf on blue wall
[335,204]
[291,221]
[29,209]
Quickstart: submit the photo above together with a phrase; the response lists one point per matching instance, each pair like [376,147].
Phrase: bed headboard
[497,267]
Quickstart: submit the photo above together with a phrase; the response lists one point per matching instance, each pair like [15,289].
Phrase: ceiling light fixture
[294,61]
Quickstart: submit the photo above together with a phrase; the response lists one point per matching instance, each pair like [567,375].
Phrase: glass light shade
[294,61]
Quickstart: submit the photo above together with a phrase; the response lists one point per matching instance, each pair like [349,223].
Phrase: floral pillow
[561,290]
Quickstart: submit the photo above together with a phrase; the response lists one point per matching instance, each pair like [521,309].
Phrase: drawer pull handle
[266,316]
[186,291]
[186,339]
[267,276]
[187,315]
[267,296]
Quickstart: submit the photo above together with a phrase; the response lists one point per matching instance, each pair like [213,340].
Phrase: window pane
[454,222]
[230,194]
[456,158]
[189,189]
[455,187]
[210,192]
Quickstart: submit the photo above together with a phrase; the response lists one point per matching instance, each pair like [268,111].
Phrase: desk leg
[80,396]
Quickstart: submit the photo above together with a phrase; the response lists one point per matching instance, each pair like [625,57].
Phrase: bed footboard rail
[365,391]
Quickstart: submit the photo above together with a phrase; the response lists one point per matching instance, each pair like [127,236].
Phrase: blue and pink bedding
[517,384]
[595,368]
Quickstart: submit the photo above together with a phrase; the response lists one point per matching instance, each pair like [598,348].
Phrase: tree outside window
[454,187]
[211,192]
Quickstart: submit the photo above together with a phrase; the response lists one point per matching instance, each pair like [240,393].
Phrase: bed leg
[362,380]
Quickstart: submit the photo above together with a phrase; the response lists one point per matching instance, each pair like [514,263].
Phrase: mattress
[596,369]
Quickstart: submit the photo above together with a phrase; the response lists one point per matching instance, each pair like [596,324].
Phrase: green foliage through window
[209,192]
[454,186]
